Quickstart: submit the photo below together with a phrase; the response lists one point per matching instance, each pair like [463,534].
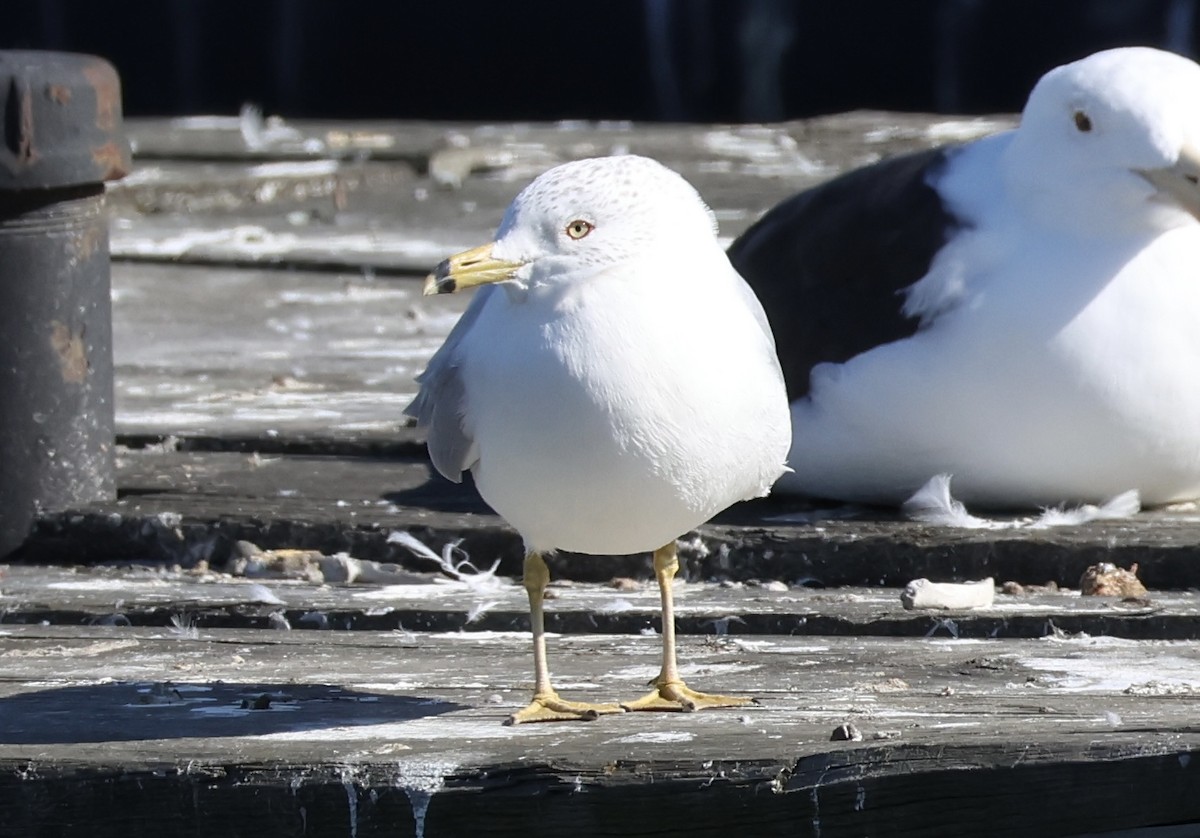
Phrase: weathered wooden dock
[159,675]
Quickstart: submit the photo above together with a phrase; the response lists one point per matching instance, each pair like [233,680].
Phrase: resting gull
[613,385]
[1022,311]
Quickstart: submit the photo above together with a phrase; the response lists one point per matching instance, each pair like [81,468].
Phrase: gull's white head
[583,217]
[1113,138]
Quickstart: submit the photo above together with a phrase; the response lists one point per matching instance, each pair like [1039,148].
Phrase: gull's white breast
[1070,374]
[614,414]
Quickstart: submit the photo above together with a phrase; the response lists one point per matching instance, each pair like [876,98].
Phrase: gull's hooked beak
[468,269]
[1180,182]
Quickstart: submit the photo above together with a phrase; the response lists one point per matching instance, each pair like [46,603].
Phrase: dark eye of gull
[1082,121]
[579,228]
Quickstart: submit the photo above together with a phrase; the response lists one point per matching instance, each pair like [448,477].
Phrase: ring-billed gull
[617,388]
[1022,311]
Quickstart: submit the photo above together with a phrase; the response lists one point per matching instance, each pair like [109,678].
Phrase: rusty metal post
[60,139]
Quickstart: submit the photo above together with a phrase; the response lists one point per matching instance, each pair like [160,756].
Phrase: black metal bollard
[61,122]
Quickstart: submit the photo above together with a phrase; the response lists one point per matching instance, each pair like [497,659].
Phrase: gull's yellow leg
[670,693]
[546,705]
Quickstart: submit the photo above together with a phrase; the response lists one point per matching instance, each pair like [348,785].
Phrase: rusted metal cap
[61,121]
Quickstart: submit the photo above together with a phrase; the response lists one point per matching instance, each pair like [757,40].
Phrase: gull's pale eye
[579,228]
[1082,121]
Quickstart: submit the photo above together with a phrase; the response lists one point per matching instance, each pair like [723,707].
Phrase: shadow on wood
[126,712]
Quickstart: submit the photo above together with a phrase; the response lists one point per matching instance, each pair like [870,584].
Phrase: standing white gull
[617,389]
[1022,312]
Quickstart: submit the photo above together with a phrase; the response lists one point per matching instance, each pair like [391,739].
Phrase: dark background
[696,60]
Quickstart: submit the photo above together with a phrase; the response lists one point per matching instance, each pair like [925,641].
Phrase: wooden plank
[216,352]
[166,718]
[314,214]
[402,196]
[191,505]
[424,599]
[839,137]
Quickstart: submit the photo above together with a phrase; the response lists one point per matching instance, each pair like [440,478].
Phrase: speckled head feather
[631,204]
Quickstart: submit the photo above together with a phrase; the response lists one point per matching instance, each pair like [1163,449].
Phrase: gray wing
[439,405]
[756,308]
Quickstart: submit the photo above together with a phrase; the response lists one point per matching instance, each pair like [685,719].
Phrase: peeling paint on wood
[69,347]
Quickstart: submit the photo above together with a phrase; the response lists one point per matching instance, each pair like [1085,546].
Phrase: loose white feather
[933,504]
[1124,505]
[458,569]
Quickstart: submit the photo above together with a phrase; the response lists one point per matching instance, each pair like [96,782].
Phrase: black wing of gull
[829,263]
